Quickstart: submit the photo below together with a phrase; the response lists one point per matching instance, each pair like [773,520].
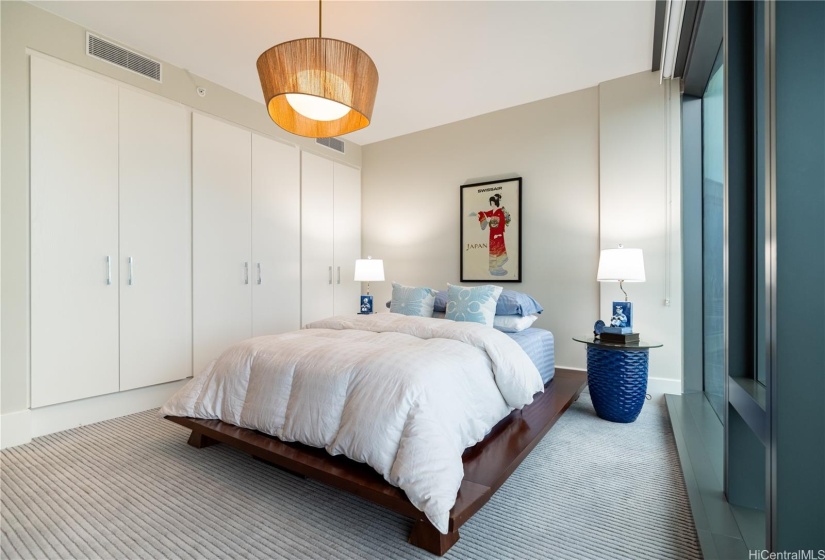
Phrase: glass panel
[713,232]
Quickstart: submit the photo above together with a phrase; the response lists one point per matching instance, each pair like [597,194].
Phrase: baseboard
[15,428]
[20,427]
[659,386]
[573,369]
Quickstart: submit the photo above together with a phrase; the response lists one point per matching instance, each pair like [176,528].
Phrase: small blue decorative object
[598,327]
[366,305]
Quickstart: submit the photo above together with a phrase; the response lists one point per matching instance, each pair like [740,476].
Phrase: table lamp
[368,270]
[621,265]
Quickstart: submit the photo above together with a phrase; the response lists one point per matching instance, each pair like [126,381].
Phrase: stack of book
[621,338]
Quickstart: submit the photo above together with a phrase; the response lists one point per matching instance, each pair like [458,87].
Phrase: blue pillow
[476,304]
[509,303]
[417,302]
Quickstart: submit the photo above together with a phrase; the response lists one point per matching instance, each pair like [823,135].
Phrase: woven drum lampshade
[333,70]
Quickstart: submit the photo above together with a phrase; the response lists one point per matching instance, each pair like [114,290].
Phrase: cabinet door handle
[339,276]
[246,273]
[108,269]
[131,275]
[330,276]
[260,278]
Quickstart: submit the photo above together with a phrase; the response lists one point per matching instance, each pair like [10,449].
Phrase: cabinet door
[347,236]
[221,226]
[156,235]
[74,248]
[276,237]
[316,238]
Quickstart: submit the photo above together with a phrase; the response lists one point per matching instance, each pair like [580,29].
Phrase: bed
[389,407]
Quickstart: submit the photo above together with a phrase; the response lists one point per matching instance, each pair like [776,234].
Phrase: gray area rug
[132,488]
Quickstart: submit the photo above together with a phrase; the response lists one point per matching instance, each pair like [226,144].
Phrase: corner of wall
[640,206]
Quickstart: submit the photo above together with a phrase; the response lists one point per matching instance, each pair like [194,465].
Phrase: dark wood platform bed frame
[486,465]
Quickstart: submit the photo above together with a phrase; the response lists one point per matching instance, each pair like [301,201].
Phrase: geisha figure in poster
[497,220]
[490,232]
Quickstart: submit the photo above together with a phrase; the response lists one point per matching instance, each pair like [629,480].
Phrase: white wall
[27,27]
[410,207]
[640,196]
[595,174]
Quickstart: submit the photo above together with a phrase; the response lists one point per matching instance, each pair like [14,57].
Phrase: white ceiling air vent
[332,143]
[119,56]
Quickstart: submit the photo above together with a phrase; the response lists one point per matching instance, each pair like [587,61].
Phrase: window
[713,238]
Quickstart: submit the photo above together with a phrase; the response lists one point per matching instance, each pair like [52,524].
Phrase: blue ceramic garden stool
[617,377]
[618,382]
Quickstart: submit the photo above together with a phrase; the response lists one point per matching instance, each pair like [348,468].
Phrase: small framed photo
[491,231]
[366,305]
[622,315]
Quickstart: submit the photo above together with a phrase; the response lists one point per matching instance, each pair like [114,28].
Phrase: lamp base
[621,321]
[365,304]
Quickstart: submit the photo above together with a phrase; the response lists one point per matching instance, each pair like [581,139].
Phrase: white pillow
[477,304]
[513,323]
[504,323]
[417,302]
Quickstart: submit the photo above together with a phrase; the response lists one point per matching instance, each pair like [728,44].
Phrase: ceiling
[438,61]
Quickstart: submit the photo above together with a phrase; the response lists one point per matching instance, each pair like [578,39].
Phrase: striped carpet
[132,488]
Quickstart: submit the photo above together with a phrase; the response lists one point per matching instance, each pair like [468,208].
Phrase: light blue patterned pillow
[417,302]
[476,304]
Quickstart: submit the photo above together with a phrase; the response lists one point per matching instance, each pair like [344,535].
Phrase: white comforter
[406,395]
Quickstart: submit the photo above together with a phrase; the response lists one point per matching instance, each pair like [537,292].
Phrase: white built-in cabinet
[330,237]
[246,236]
[110,237]
[157,242]
[276,237]
[346,237]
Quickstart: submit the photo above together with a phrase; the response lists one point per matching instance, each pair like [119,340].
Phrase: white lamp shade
[369,270]
[627,265]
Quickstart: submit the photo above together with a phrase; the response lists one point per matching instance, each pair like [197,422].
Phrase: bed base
[486,465]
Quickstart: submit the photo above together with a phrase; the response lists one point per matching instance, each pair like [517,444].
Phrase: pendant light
[318,87]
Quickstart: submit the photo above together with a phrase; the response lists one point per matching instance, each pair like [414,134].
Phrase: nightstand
[617,377]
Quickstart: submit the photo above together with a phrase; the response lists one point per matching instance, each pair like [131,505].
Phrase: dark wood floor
[486,465]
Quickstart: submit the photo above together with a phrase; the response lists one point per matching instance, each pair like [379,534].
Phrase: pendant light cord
[319,19]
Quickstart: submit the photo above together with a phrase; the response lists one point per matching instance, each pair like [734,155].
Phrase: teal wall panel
[797,392]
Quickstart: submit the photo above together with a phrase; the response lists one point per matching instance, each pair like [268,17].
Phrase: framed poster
[491,231]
